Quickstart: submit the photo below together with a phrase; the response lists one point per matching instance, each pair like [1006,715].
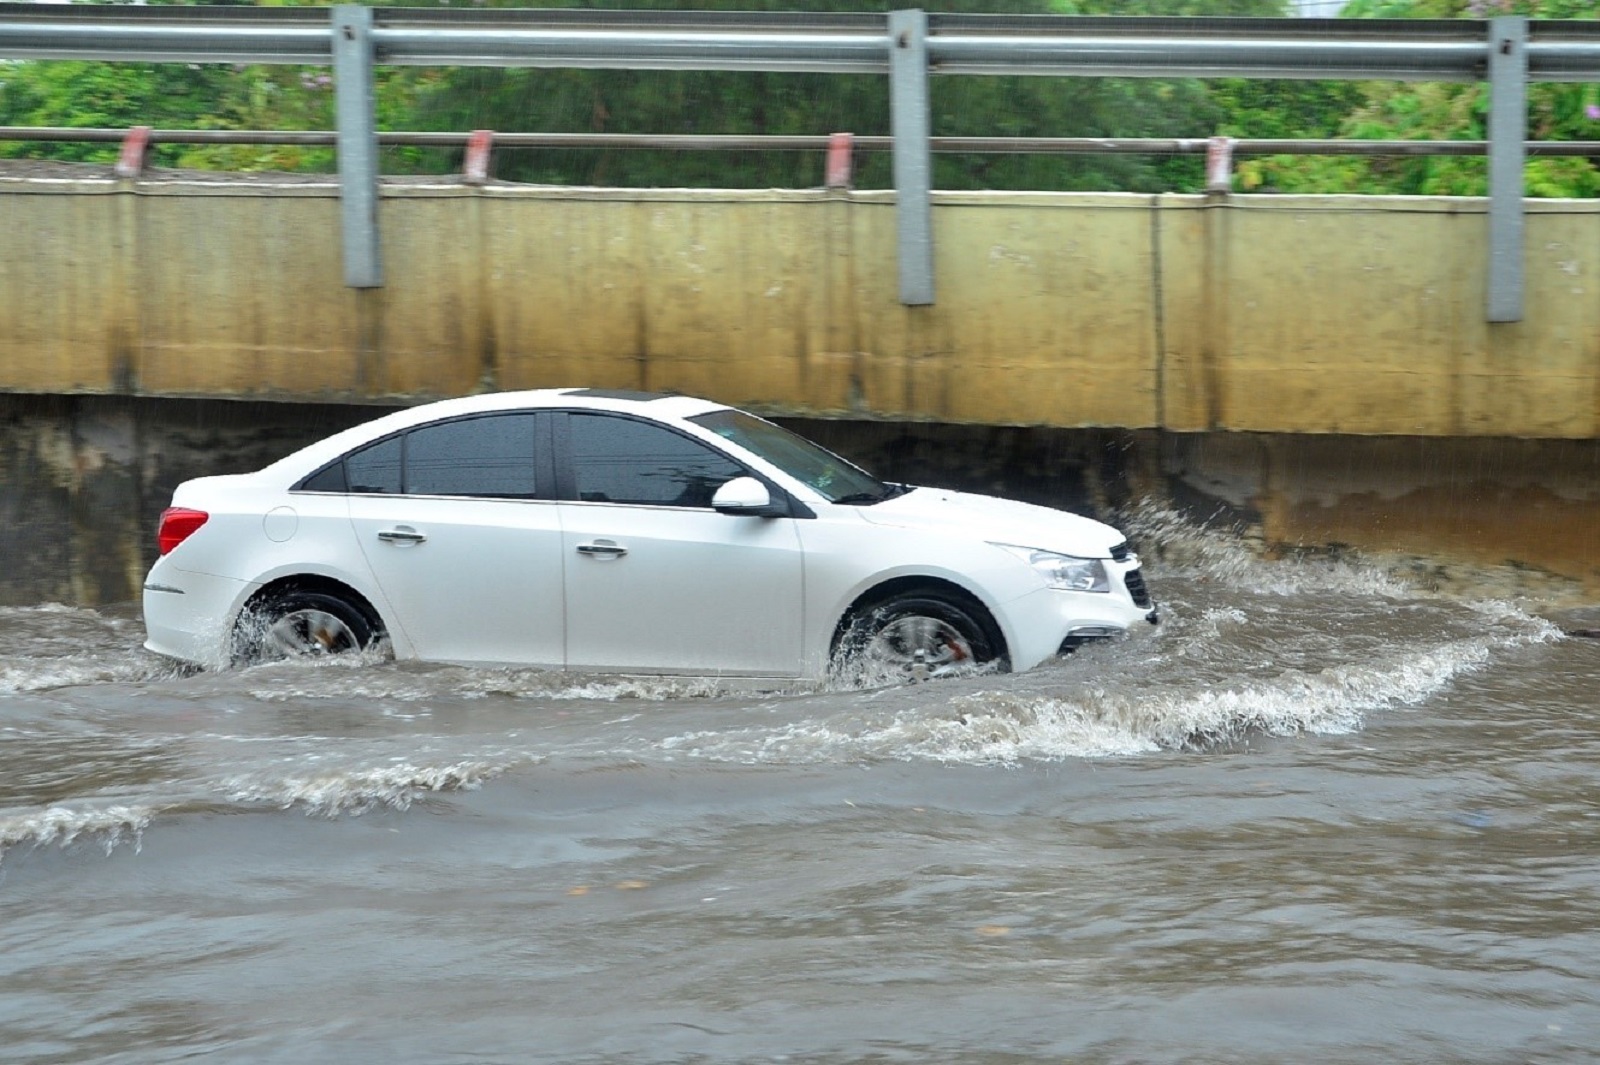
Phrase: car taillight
[177,524]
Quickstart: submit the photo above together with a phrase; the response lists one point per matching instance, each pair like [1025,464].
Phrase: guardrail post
[841,147]
[910,122]
[1508,130]
[358,145]
[135,146]
[475,164]
[1219,165]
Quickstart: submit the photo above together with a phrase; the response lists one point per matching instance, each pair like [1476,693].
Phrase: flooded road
[1319,814]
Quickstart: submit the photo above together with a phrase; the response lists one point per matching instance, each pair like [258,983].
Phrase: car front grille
[1135,582]
[1121,552]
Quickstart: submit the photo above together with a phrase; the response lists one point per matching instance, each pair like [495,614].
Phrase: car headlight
[1064,571]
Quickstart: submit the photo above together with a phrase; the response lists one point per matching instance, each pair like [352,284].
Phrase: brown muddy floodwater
[1317,816]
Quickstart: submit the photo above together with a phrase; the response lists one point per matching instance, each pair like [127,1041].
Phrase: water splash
[1228,556]
[334,792]
[1106,719]
[335,678]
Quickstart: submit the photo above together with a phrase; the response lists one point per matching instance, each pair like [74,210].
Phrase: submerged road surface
[1318,815]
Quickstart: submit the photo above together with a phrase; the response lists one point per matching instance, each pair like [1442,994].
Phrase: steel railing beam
[354,39]
[1442,50]
[711,142]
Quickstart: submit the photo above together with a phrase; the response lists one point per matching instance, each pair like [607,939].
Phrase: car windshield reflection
[836,479]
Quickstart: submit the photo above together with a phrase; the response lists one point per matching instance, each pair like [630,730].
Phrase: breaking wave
[355,791]
[1100,720]
[55,646]
[412,683]
[108,826]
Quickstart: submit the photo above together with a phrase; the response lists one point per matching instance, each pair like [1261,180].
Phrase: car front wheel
[300,625]
[918,636]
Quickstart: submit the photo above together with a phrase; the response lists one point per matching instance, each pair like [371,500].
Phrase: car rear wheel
[300,625]
[918,636]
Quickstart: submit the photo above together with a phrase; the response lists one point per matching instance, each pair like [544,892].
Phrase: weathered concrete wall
[1316,369]
[1342,315]
[83,479]
[1530,505]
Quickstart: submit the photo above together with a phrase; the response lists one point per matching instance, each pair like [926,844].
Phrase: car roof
[661,406]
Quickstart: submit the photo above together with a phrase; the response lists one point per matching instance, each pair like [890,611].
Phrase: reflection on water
[1319,814]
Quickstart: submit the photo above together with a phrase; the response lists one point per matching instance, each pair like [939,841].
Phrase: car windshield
[837,480]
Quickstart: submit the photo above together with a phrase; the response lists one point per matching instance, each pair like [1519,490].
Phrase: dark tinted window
[490,456]
[618,460]
[829,474]
[375,468]
[327,480]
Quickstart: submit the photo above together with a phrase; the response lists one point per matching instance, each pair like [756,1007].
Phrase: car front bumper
[1046,622]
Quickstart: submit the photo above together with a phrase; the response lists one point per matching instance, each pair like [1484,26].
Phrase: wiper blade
[890,491]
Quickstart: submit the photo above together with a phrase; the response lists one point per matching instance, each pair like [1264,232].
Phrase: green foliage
[100,95]
[800,104]
[1438,111]
[624,101]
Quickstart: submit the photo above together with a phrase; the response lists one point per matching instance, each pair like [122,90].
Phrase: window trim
[566,479]
[544,461]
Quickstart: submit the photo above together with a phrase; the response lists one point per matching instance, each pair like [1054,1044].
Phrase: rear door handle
[401,534]
[605,549]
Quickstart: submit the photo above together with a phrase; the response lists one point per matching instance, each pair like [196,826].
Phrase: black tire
[299,624]
[881,642]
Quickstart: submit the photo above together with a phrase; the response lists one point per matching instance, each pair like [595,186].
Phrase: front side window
[620,460]
[838,481]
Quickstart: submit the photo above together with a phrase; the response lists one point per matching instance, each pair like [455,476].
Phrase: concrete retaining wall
[1313,371]
[82,480]
[1339,315]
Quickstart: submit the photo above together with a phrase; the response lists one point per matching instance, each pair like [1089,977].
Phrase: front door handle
[603,549]
[402,534]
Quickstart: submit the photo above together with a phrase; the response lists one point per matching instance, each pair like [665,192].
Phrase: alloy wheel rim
[943,646]
[300,633]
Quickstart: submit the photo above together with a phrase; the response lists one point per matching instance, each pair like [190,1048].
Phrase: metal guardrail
[742,142]
[1069,46]
[908,46]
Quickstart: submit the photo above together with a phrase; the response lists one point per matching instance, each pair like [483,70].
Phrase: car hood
[1002,521]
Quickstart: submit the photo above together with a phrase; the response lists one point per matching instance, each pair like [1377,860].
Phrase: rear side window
[619,460]
[375,468]
[491,457]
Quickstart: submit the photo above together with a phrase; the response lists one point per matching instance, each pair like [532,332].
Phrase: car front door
[458,524]
[657,581]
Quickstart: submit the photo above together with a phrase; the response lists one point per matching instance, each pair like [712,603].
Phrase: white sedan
[617,531]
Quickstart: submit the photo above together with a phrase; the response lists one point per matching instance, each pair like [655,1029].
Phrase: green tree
[577,101]
[1444,111]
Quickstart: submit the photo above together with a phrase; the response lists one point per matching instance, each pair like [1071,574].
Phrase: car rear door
[459,525]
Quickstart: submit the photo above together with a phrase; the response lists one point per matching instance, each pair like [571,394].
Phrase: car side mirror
[746,496]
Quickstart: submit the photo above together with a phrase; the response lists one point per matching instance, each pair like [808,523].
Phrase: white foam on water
[109,826]
[1007,727]
[646,689]
[55,646]
[356,790]
[44,608]
[344,677]
[43,674]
